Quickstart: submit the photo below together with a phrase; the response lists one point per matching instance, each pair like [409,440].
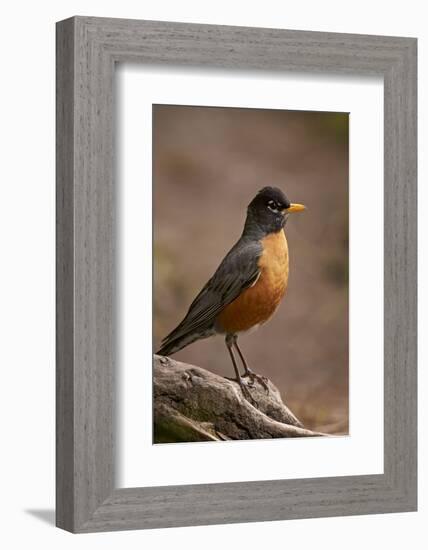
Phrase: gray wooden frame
[87,50]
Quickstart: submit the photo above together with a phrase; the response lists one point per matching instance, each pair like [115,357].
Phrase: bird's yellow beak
[295,208]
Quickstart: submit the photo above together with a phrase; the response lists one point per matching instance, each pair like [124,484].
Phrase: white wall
[27,271]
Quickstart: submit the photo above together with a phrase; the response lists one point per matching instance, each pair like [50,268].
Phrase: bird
[247,287]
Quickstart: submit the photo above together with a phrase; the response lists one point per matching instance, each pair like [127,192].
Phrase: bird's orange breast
[256,304]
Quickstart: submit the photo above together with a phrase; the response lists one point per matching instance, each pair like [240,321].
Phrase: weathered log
[193,404]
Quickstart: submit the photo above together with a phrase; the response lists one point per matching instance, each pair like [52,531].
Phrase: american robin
[247,287]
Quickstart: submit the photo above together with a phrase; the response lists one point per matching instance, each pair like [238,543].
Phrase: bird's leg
[230,339]
[262,380]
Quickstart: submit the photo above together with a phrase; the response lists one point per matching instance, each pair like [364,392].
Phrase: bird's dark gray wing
[238,271]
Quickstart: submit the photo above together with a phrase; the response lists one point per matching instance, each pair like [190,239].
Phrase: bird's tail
[172,344]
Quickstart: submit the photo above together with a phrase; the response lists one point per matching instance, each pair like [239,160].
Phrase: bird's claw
[247,395]
[262,380]
[245,391]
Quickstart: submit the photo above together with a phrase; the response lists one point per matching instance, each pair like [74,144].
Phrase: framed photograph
[236,274]
[288,278]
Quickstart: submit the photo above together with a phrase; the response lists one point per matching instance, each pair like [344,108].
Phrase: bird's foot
[247,394]
[245,391]
[262,380]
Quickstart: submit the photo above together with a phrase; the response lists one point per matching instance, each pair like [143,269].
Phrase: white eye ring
[272,207]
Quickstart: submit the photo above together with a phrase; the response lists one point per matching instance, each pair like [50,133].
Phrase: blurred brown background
[208,164]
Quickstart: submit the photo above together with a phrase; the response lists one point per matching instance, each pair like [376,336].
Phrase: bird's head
[269,210]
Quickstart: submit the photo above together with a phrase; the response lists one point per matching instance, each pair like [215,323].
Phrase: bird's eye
[273,206]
